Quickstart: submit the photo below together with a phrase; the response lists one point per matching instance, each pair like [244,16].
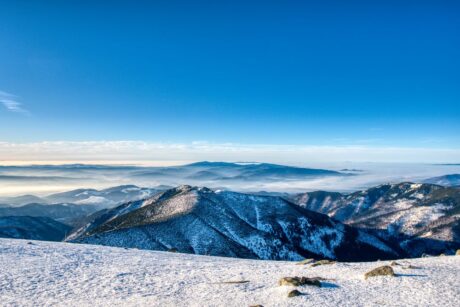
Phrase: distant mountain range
[33,228]
[201,221]
[234,176]
[224,171]
[69,214]
[100,198]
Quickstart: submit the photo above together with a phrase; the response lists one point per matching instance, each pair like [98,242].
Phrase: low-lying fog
[42,180]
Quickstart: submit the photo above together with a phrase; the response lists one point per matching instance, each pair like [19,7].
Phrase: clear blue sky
[287,72]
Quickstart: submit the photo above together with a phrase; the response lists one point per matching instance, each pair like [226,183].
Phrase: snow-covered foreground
[65,274]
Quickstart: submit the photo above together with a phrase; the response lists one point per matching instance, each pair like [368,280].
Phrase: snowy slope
[427,214]
[377,200]
[201,221]
[106,215]
[63,274]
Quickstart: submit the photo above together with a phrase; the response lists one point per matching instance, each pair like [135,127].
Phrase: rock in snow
[385,270]
[294,293]
[63,274]
[299,281]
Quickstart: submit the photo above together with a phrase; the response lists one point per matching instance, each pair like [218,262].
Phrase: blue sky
[323,73]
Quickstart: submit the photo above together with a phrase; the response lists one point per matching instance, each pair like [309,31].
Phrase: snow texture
[63,274]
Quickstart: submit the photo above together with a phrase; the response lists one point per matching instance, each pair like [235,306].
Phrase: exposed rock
[322,262]
[410,266]
[299,281]
[394,263]
[294,293]
[385,270]
[458,252]
[305,261]
[256,306]
[173,250]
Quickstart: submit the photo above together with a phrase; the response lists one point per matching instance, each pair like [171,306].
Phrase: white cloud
[10,102]
[147,152]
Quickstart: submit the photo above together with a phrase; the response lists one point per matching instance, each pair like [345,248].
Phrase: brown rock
[322,262]
[385,270]
[294,293]
[458,252]
[299,281]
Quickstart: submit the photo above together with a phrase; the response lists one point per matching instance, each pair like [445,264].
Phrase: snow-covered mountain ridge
[422,218]
[202,221]
[35,273]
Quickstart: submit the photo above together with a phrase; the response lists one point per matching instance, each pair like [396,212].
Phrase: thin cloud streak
[10,102]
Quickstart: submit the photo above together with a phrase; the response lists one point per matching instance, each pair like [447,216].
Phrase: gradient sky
[323,73]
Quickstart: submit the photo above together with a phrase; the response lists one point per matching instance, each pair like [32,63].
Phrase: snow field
[65,274]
